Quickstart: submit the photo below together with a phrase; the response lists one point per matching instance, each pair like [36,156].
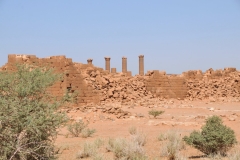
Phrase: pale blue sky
[174,35]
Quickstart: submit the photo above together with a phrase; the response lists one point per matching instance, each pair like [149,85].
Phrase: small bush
[29,120]
[215,156]
[87,132]
[117,147]
[139,138]
[99,142]
[124,149]
[235,155]
[155,113]
[214,138]
[76,128]
[162,137]
[89,149]
[171,148]
[132,130]
[99,157]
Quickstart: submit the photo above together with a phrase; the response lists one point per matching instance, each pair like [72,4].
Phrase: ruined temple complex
[96,85]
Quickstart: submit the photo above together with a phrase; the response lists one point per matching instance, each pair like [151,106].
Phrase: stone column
[141,65]
[113,70]
[129,73]
[89,61]
[107,64]
[124,64]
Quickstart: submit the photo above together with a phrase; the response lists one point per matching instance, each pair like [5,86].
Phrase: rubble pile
[213,85]
[113,109]
[117,87]
[116,111]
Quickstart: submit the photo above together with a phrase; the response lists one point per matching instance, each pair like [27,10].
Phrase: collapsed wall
[118,87]
[214,85]
[98,86]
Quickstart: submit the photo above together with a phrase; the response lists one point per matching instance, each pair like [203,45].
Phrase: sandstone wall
[98,86]
[167,86]
[73,79]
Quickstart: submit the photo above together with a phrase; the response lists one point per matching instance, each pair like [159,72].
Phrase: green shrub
[155,113]
[214,138]
[28,115]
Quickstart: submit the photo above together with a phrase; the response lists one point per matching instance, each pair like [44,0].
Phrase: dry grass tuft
[172,145]
[235,154]
[126,149]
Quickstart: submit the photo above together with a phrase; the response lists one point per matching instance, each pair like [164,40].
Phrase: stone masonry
[73,79]
[107,64]
[167,86]
[98,86]
[124,64]
[113,70]
[141,65]
[90,61]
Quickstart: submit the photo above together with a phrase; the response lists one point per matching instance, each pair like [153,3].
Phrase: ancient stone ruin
[102,86]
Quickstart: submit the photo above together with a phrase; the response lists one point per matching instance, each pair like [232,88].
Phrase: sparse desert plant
[80,128]
[99,157]
[124,149]
[59,150]
[235,154]
[214,138]
[117,147]
[89,150]
[162,137]
[28,115]
[171,148]
[87,132]
[134,151]
[132,130]
[155,113]
[215,156]
[99,142]
[76,128]
[139,138]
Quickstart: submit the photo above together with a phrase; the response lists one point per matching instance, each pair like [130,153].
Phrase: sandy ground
[181,116]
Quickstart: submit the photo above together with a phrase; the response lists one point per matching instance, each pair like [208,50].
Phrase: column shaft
[90,61]
[107,64]
[141,65]
[124,64]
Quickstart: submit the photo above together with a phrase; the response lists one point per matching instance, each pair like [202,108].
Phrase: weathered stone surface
[98,86]
[219,85]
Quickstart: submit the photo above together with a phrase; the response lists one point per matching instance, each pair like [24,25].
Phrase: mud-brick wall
[167,86]
[72,81]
